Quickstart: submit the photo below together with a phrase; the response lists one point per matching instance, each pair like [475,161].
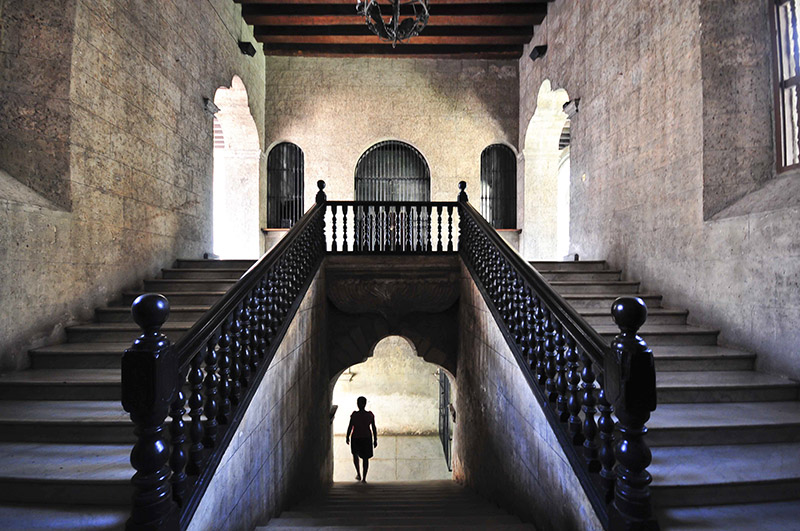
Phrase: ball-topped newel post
[149,384]
[462,195]
[321,196]
[630,386]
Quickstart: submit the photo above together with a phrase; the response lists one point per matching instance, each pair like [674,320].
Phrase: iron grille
[285,168]
[392,171]
[499,186]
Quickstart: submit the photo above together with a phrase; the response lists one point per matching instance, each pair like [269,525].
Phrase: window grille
[285,164]
[499,186]
[392,171]
[787,103]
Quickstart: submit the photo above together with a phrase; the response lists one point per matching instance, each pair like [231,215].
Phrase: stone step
[582,265]
[202,263]
[589,301]
[122,314]
[778,516]
[604,275]
[96,474]
[61,384]
[721,423]
[722,386]
[19,517]
[399,520]
[65,421]
[702,358]
[179,298]
[202,273]
[618,288]
[121,332]
[655,316]
[656,335]
[79,356]
[159,285]
[278,525]
[716,475]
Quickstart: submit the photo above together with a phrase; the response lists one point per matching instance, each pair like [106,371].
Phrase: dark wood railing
[218,365]
[580,381]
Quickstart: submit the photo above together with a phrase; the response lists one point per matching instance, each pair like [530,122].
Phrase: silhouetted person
[361,422]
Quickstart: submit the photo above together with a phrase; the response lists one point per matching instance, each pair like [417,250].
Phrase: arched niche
[392,171]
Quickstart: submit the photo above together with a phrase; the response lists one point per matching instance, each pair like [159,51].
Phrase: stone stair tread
[650,311]
[179,308]
[169,294]
[66,462]
[676,466]
[706,379]
[16,517]
[88,327]
[62,376]
[206,269]
[778,516]
[579,296]
[693,351]
[647,329]
[84,348]
[63,411]
[725,414]
[559,283]
[191,280]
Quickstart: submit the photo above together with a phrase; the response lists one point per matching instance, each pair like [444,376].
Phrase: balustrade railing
[597,398]
[211,375]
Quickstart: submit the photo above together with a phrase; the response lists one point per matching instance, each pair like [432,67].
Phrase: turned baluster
[272,308]
[573,391]
[428,228]
[589,425]
[263,319]
[196,431]
[449,228]
[256,328]
[605,452]
[211,384]
[178,457]
[225,361]
[630,386]
[550,357]
[243,316]
[149,385]
[407,229]
[344,228]
[236,360]
[439,246]
[530,326]
[541,375]
[358,227]
[387,237]
[396,225]
[333,227]
[561,372]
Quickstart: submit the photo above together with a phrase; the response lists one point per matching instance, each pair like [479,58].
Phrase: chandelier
[396,30]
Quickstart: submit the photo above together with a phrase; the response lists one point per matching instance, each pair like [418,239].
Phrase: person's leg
[365,467]
[358,472]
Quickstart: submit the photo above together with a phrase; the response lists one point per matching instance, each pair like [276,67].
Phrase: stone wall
[674,126]
[139,146]
[282,449]
[335,109]
[504,447]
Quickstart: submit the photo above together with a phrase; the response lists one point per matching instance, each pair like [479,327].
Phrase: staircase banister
[584,334]
[393,203]
[205,327]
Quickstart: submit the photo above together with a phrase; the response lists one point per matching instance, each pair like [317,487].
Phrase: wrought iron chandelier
[396,30]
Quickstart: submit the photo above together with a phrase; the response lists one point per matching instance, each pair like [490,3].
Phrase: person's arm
[349,429]
[374,433]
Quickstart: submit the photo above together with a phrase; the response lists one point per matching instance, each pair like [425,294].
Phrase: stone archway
[237,157]
[542,156]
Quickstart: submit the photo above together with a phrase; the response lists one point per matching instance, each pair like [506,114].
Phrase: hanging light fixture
[396,30]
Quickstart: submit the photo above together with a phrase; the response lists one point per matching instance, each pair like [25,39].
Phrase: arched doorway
[403,391]
[543,158]
[392,171]
[237,156]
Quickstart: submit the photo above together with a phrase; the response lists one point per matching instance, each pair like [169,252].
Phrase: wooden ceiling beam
[299,40]
[435,20]
[361,30]
[353,2]
[385,49]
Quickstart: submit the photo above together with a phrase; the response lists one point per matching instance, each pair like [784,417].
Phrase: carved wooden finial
[321,197]
[629,313]
[462,195]
[150,311]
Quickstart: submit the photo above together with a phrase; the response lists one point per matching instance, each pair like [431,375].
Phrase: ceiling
[457,29]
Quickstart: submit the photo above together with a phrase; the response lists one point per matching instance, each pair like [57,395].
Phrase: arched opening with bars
[392,171]
[285,169]
[499,186]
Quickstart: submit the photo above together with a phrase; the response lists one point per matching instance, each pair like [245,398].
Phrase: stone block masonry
[504,447]
[121,151]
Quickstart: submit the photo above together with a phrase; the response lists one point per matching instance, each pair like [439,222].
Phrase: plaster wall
[129,113]
[504,448]
[282,449]
[335,109]
[670,150]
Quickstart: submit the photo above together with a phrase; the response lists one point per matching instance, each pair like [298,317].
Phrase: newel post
[321,196]
[462,195]
[630,385]
[149,384]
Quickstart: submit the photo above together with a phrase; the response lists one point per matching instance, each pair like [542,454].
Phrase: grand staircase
[413,505]
[725,438]
[64,439]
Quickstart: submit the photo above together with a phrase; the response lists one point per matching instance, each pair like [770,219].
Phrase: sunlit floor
[397,458]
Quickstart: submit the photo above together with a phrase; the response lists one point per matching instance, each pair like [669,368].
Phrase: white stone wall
[281,451]
[504,447]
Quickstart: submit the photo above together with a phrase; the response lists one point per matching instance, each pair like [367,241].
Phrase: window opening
[499,186]
[285,168]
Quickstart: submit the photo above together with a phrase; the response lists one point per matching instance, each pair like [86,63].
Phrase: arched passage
[403,392]
[237,155]
[542,155]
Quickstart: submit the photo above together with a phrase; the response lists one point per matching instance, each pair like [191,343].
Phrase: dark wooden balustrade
[580,381]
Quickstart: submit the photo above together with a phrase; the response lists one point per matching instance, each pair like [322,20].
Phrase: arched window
[285,165]
[499,186]
[392,171]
